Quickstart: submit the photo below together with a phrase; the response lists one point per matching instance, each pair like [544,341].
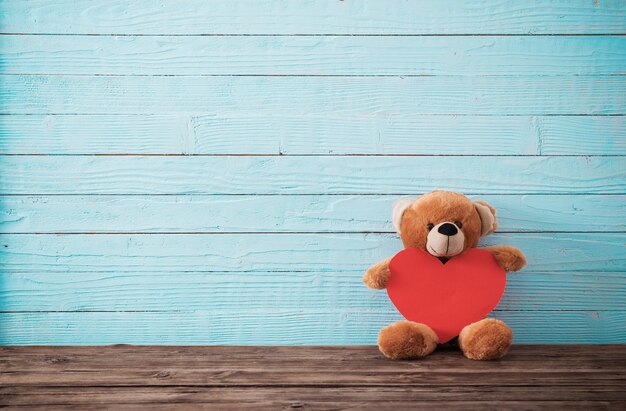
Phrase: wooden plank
[288,95]
[287,134]
[546,252]
[280,327]
[313,55]
[290,213]
[310,175]
[321,377]
[413,404]
[158,134]
[312,17]
[535,357]
[285,396]
[527,358]
[284,290]
[311,134]
[578,135]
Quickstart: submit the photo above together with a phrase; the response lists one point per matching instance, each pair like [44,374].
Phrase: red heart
[449,296]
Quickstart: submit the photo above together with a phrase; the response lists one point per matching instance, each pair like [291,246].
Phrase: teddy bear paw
[488,339]
[377,276]
[515,263]
[509,258]
[406,340]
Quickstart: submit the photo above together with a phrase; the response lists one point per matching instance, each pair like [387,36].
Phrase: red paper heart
[449,296]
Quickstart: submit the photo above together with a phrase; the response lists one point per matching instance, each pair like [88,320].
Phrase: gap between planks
[317,34]
[279,232]
[301,155]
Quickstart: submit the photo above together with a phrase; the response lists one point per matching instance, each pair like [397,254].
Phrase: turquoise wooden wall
[222,172]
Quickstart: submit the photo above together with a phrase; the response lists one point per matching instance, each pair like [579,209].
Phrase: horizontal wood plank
[271,290]
[278,327]
[311,134]
[145,377]
[312,17]
[42,357]
[113,134]
[314,397]
[289,213]
[287,95]
[565,252]
[528,358]
[581,135]
[338,404]
[310,175]
[328,55]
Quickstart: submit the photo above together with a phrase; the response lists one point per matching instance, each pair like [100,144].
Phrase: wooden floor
[337,378]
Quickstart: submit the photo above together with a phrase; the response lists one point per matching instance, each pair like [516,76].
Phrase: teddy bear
[445,224]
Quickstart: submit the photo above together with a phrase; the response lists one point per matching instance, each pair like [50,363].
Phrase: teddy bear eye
[430,226]
[458,224]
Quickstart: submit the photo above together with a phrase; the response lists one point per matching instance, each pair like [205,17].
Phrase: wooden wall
[222,172]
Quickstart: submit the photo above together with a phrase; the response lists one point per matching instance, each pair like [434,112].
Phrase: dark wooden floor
[337,378]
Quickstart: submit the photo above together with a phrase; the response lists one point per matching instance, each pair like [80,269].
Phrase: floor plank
[332,377]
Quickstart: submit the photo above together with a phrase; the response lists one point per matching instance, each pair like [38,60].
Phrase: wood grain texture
[154,291]
[222,173]
[279,327]
[312,134]
[337,378]
[111,134]
[267,95]
[310,175]
[326,55]
[346,364]
[331,252]
[312,17]
[352,358]
[337,404]
[579,134]
[288,213]
[319,398]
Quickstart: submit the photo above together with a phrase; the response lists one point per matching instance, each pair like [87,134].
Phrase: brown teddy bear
[445,224]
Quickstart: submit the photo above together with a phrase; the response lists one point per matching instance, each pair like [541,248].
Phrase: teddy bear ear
[398,209]
[487,217]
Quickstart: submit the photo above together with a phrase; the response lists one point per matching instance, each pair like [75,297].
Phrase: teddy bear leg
[407,339]
[486,339]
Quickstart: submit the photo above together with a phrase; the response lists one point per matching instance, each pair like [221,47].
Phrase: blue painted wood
[310,175]
[327,55]
[290,213]
[114,134]
[170,291]
[585,134]
[358,96]
[312,134]
[313,17]
[286,252]
[278,259]
[322,326]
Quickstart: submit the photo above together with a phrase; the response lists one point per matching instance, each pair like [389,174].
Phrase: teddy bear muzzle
[445,240]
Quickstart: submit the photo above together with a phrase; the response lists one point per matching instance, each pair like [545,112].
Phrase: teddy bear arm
[508,257]
[378,275]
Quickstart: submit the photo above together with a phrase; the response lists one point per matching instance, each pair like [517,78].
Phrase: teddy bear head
[443,223]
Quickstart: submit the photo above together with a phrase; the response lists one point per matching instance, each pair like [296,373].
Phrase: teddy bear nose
[447,229]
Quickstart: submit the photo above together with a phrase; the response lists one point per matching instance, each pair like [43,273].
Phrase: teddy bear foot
[487,339]
[406,339]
